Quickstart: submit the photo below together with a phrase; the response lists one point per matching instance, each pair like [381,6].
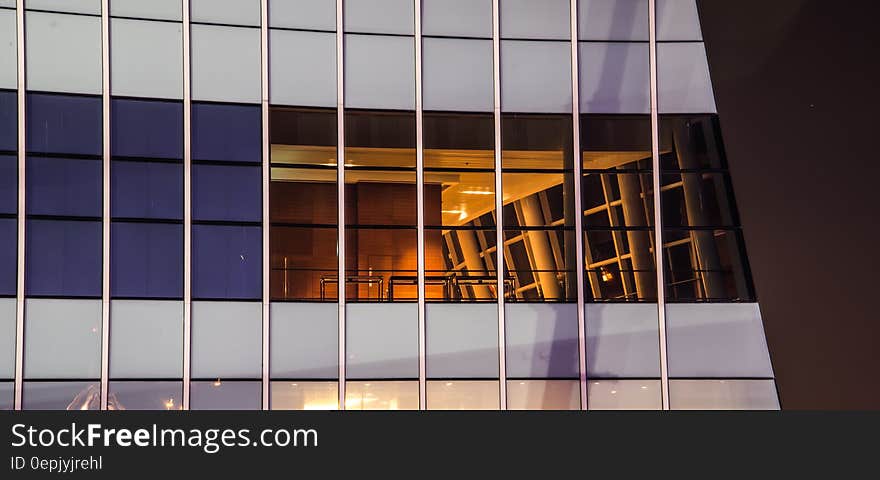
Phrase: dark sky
[796,84]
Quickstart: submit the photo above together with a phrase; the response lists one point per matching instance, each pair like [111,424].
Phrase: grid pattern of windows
[402,204]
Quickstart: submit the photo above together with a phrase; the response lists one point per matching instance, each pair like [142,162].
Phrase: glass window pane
[305,14]
[304,263]
[624,395]
[723,395]
[75,6]
[63,258]
[683,79]
[697,199]
[7,395]
[146,339]
[143,128]
[457,75]
[158,9]
[227,193]
[8,50]
[462,340]
[457,18]
[8,120]
[225,395]
[304,340]
[705,265]
[63,52]
[63,186]
[287,395]
[133,395]
[226,340]
[384,395]
[8,184]
[146,260]
[379,70]
[226,132]
[302,67]
[8,255]
[543,395]
[382,340]
[379,16]
[548,19]
[678,20]
[7,338]
[463,395]
[614,78]
[227,262]
[613,20]
[61,396]
[225,64]
[623,341]
[63,124]
[146,190]
[541,340]
[536,76]
[63,339]
[234,12]
[147,58]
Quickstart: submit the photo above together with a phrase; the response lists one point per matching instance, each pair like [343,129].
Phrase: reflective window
[723,395]
[7,395]
[63,339]
[137,395]
[148,128]
[154,9]
[63,124]
[7,338]
[147,58]
[226,340]
[64,186]
[463,395]
[226,262]
[225,395]
[302,68]
[302,204]
[146,190]
[63,52]
[8,255]
[457,18]
[287,395]
[225,63]
[304,340]
[146,339]
[548,19]
[384,395]
[8,120]
[379,16]
[224,132]
[146,260]
[92,7]
[543,395]
[61,396]
[305,14]
[8,52]
[236,12]
[624,395]
[63,258]
[227,193]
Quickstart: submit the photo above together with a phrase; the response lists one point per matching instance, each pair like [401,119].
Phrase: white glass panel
[548,19]
[462,340]
[303,340]
[622,340]
[717,340]
[74,6]
[614,78]
[683,79]
[8,3]
[145,396]
[63,338]
[226,64]
[379,16]
[379,72]
[463,395]
[304,396]
[230,12]
[458,18]
[7,395]
[382,340]
[158,9]
[457,75]
[382,395]
[543,395]
[61,396]
[147,59]
[624,395]
[541,340]
[723,395]
[305,14]
[8,52]
[7,338]
[146,339]
[63,52]
[535,77]
[302,68]
[227,339]
[613,20]
[678,20]
[217,395]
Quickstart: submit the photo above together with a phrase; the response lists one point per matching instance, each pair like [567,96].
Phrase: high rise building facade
[298,204]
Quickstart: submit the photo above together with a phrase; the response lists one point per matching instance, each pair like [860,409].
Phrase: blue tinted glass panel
[8,120]
[226,132]
[63,258]
[143,128]
[8,255]
[146,260]
[63,124]
[146,190]
[222,192]
[226,262]
[8,184]
[63,186]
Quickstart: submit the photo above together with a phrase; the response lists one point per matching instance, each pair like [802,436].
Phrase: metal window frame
[105,224]
[264,103]
[499,203]
[19,278]
[187,204]
[340,199]
[420,206]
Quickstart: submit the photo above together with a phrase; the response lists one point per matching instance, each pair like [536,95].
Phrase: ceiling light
[478,192]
